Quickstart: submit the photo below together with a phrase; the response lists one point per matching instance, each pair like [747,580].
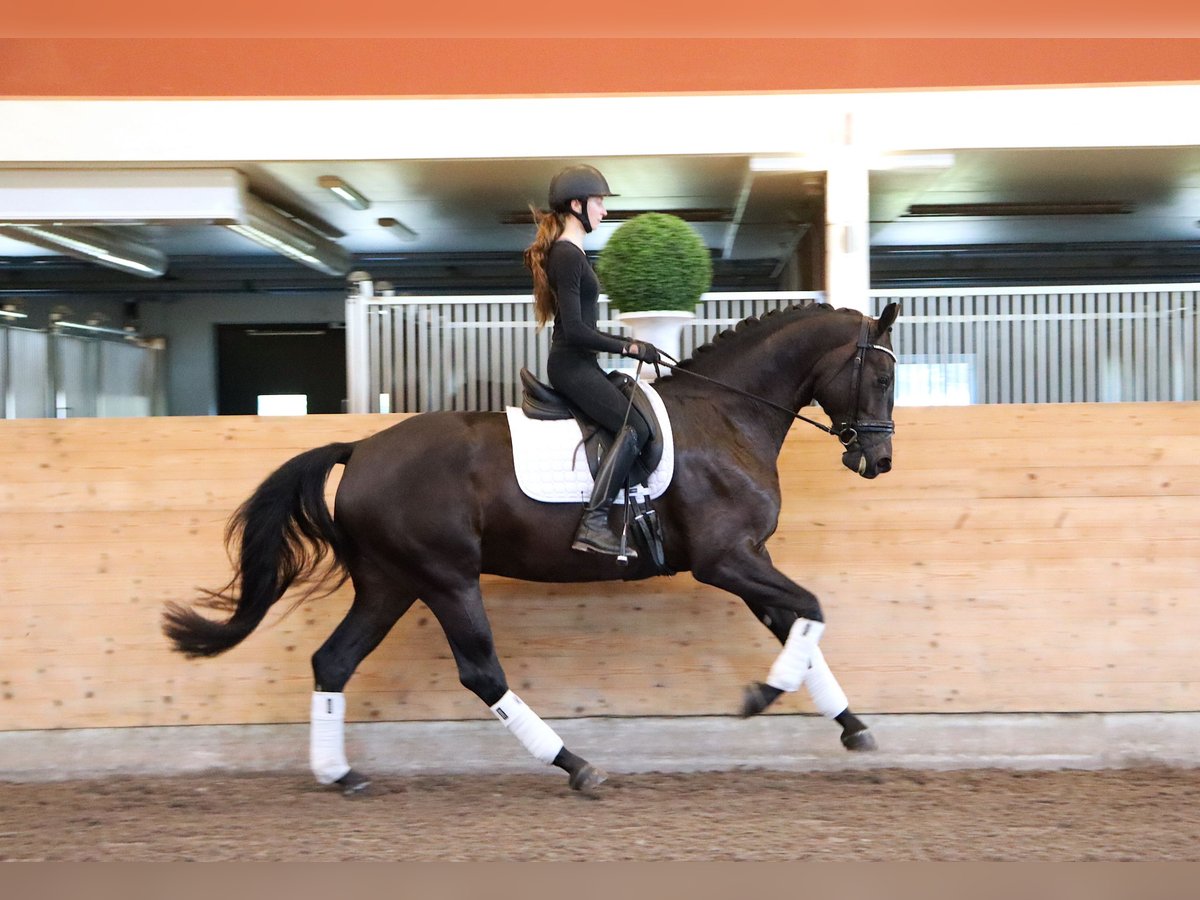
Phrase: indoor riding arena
[1004,608]
[1010,608]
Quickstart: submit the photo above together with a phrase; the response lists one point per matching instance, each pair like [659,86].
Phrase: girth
[540,401]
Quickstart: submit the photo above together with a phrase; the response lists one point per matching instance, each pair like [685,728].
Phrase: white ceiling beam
[124,196]
[105,131]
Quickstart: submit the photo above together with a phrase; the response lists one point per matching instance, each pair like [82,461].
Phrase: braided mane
[731,339]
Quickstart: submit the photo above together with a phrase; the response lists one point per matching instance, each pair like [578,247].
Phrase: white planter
[662,328]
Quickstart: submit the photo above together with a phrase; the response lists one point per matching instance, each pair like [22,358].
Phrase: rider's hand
[643,350]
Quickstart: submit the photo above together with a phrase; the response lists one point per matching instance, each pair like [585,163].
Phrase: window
[920,381]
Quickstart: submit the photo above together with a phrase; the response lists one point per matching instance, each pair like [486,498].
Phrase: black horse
[427,505]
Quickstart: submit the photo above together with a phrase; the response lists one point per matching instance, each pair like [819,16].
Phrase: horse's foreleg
[747,571]
[370,618]
[794,616]
[822,686]
[464,620]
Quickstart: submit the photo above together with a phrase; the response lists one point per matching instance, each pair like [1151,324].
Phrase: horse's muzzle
[869,462]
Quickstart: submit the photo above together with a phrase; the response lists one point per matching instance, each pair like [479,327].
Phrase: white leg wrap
[538,737]
[790,667]
[827,695]
[326,743]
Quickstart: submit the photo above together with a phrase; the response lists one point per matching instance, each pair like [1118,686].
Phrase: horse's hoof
[861,741]
[757,697]
[353,783]
[588,778]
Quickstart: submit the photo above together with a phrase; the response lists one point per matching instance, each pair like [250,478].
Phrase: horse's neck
[780,368]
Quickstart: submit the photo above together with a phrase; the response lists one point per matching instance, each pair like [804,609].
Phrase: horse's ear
[888,316]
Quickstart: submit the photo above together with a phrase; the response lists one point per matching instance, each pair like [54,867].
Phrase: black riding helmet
[577,183]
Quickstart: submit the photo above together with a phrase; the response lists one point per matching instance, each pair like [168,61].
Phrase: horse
[427,505]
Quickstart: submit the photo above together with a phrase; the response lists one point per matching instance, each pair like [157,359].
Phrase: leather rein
[847,431]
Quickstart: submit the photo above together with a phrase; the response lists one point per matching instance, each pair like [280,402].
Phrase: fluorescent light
[99,329]
[790,163]
[12,314]
[270,228]
[98,245]
[343,192]
[399,228]
[821,162]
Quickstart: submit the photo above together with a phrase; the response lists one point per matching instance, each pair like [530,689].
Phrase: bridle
[846,431]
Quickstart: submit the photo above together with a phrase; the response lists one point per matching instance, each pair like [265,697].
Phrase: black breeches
[580,378]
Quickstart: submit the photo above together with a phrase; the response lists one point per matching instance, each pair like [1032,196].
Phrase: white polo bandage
[827,695]
[538,737]
[326,739]
[788,671]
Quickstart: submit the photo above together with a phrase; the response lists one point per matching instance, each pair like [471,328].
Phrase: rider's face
[595,210]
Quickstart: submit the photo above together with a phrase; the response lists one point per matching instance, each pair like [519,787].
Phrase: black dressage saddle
[540,401]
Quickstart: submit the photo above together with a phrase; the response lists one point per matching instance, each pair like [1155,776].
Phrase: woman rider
[566,290]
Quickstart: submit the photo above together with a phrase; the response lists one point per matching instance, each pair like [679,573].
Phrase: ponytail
[549,230]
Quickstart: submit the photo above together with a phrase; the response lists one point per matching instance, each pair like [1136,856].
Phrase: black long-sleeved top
[577,291]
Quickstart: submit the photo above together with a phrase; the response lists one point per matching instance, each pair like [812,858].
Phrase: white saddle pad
[549,459]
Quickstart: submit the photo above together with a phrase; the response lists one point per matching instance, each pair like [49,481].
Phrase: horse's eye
[883,381]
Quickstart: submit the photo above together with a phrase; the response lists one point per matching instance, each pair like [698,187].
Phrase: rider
[566,290]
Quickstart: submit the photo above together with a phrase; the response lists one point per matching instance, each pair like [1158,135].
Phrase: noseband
[848,431]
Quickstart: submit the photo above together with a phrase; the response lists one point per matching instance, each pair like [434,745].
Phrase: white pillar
[847,232]
[358,381]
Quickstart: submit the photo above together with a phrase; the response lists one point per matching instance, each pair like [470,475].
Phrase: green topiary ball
[655,261]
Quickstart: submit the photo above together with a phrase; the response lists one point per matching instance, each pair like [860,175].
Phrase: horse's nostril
[884,465]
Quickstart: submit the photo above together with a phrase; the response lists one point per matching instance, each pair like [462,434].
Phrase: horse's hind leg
[461,613]
[827,695]
[371,616]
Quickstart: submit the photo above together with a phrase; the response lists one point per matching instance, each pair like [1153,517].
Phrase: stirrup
[622,551]
[627,553]
[598,537]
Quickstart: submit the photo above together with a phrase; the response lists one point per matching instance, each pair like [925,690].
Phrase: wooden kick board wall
[1018,558]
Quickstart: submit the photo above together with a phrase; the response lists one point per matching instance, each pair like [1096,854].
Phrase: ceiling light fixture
[791,163]
[821,162]
[67,211]
[344,192]
[401,230]
[93,244]
[270,228]
[12,314]
[1021,208]
[96,329]
[694,214]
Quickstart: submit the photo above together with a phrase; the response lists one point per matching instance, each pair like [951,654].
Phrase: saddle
[540,401]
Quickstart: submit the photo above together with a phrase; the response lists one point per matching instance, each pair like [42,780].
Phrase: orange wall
[408,66]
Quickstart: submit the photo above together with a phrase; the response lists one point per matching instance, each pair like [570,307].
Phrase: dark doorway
[274,360]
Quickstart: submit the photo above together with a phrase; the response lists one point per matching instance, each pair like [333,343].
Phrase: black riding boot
[594,533]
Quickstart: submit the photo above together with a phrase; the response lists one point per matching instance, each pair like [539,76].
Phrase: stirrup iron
[623,554]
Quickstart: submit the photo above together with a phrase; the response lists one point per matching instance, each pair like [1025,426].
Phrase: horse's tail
[284,532]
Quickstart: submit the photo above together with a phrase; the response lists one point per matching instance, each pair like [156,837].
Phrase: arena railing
[1064,344]
[99,372]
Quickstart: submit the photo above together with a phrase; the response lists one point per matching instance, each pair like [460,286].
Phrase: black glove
[646,352]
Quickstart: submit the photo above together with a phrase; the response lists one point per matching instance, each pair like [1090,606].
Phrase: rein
[848,432]
[737,390]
